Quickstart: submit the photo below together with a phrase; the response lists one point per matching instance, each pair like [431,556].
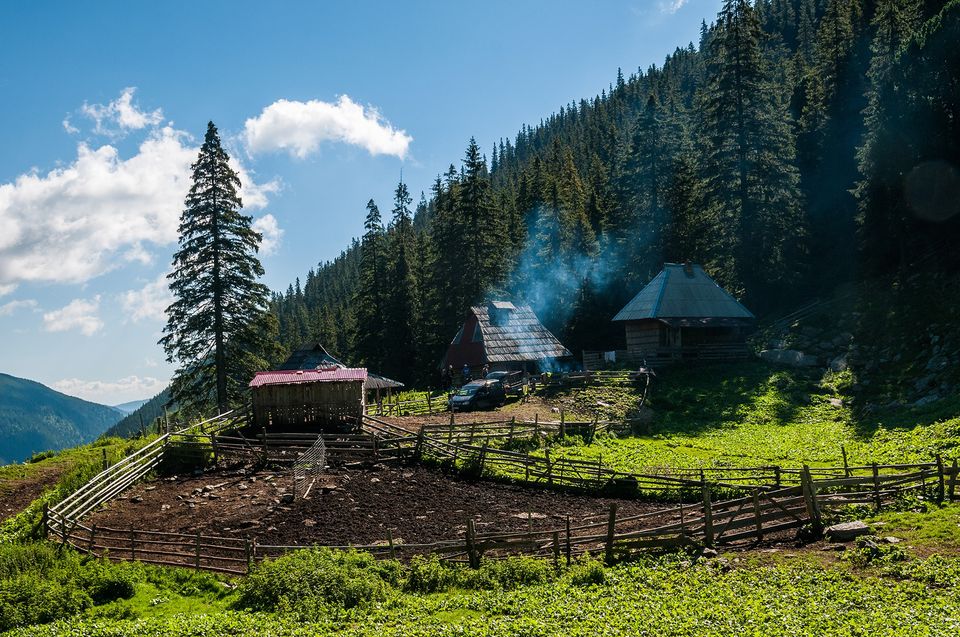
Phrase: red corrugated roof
[325,375]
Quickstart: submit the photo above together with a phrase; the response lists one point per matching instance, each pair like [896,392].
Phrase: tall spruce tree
[400,309]
[370,298]
[751,183]
[217,327]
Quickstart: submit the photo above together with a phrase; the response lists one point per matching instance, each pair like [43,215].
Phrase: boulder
[791,357]
[846,531]
[839,364]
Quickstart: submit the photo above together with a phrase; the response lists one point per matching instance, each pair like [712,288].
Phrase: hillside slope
[34,417]
[146,415]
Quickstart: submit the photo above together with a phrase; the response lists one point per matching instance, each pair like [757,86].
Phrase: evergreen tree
[400,312]
[751,182]
[218,329]
[371,294]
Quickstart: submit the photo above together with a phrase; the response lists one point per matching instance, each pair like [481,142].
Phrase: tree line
[800,144]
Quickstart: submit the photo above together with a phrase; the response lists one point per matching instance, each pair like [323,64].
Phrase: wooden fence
[762,514]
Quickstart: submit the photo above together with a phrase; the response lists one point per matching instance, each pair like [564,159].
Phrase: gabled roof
[322,375]
[313,354]
[681,291]
[520,337]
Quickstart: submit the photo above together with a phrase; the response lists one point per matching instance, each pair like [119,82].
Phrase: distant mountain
[34,418]
[147,413]
[132,406]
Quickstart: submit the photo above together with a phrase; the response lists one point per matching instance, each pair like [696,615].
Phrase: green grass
[666,596]
[753,414]
[75,467]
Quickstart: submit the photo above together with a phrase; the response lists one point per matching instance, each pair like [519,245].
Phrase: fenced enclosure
[307,467]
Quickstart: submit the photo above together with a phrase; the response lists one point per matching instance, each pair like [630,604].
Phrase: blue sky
[320,104]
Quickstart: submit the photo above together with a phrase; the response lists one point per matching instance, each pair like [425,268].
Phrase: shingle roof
[680,293]
[522,337]
[323,375]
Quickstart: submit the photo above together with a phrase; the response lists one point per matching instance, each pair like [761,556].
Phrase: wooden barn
[682,315]
[313,355]
[506,337]
[328,398]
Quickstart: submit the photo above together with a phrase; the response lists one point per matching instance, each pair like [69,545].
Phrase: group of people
[466,375]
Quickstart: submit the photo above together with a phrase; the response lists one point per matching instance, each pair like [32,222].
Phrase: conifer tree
[371,292]
[400,312]
[751,182]
[218,329]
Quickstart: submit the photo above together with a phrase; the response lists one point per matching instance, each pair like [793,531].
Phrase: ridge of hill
[35,418]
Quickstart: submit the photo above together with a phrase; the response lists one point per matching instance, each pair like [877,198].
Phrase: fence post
[451,423]
[568,541]
[429,405]
[556,549]
[707,515]
[809,490]
[611,531]
[45,518]
[776,476]
[513,422]
[563,424]
[393,553]
[546,455]
[93,535]
[246,552]
[483,458]
[376,448]
[196,561]
[526,469]
[264,444]
[846,466]
[133,544]
[103,451]
[418,450]
[876,485]
[471,544]
[953,480]
[941,491]
[756,514]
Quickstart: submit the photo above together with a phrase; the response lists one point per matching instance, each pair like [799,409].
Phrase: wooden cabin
[683,315]
[506,337]
[329,399]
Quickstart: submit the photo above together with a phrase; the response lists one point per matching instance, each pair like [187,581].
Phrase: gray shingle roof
[677,293]
[522,337]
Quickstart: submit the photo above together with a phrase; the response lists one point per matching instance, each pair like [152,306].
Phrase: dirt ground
[417,505]
[534,407]
[17,493]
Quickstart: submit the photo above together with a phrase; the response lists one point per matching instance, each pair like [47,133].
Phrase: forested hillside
[143,416]
[35,418]
[784,151]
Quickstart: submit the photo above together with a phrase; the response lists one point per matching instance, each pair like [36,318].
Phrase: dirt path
[348,507]
[17,493]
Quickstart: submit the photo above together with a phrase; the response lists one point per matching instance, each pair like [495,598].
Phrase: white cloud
[272,233]
[111,392]
[300,128]
[101,211]
[9,308]
[70,128]
[671,6]
[119,116]
[149,302]
[78,314]
[149,362]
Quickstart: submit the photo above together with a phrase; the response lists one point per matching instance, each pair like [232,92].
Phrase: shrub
[586,571]
[106,582]
[42,455]
[317,582]
[28,599]
[430,575]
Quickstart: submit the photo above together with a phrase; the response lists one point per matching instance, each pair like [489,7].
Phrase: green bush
[430,575]
[586,571]
[31,599]
[107,582]
[41,455]
[317,582]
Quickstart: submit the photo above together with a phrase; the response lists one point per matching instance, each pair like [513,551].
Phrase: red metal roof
[323,375]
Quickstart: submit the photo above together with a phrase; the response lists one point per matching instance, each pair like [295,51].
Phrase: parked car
[478,394]
[511,381]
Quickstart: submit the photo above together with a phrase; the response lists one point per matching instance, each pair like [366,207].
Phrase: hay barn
[329,398]
[505,337]
[682,315]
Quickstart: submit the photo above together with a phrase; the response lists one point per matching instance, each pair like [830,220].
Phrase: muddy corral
[416,505]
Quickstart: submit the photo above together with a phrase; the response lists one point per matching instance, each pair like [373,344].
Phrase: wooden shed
[505,337]
[681,315]
[327,398]
[313,355]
